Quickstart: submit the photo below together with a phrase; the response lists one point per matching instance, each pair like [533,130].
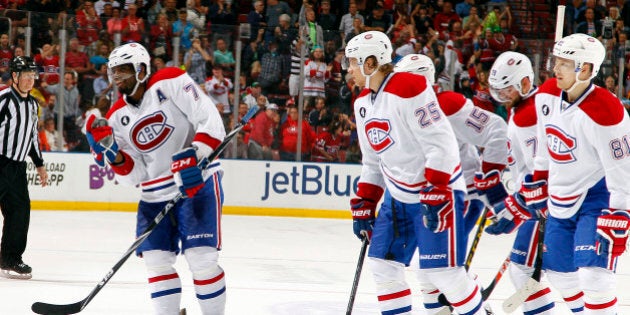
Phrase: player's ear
[142,73]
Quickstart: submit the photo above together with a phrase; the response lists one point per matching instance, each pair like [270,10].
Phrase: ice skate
[17,270]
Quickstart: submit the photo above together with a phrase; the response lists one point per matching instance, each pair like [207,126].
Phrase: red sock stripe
[575,297]
[209,281]
[392,296]
[466,300]
[436,291]
[601,306]
[538,294]
[163,278]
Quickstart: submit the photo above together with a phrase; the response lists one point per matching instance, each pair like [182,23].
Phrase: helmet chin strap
[367,77]
[578,81]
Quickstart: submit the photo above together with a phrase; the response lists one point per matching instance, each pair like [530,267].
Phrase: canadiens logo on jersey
[378,134]
[560,145]
[150,132]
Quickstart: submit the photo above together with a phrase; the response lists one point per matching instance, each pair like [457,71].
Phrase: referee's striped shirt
[18,127]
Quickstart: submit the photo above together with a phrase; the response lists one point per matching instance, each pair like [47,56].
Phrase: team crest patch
[150,132]
[560,145]
[378,134]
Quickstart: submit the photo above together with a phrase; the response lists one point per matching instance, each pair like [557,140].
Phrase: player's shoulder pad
[604,108]
[549,87]
[525,113]
[451,102]
[406,85]
[120,103]
[164,74]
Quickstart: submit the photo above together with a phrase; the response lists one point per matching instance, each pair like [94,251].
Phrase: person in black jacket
[18,139]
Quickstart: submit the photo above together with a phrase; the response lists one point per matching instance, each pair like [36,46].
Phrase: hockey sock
[459,289]
[208,278]
[599,291]
[393,292]
[540,302]
[568,285]
[164,283]
[430,300]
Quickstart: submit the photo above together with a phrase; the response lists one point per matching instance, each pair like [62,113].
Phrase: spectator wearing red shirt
[443,18]
[48,61]
[77,60]
[289,137]
[500,42]
[88,24]
[262,135]
[132,26]
[6,53]
[328,144]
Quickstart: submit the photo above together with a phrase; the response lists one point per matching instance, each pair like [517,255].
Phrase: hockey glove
[612,233]
[438,213]
[535,194]
[187,174]
[100,136]
[510,215]
[490,185]
[363,213]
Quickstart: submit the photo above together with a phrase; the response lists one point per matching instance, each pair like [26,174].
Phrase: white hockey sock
[568,285]
[393,293]
[538,303]
[164,283]
[431,302]
[599,291]
[208,278]
[459,289]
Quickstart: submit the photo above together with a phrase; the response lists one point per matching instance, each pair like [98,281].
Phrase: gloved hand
[510,215]
[186,173]
[363,213]
[534,192]
[438,212]
[490,185]
[100,137]
[612,233]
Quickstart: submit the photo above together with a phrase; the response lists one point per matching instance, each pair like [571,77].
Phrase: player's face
[564,70]
[124,78]
[355,70]
[508,95]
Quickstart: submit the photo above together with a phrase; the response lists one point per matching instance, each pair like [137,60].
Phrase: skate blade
[9,274]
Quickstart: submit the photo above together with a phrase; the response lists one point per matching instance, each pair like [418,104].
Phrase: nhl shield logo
[378,134]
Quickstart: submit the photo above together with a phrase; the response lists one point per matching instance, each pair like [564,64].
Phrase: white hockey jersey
[405,138]
[523,139]
[172,114]
[586,140]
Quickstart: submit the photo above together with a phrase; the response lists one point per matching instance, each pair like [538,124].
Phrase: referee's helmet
[23,63]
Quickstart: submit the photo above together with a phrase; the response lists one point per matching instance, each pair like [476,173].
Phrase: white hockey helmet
[508,70]
[418,64]
[581,48]
[371,43]
[134,54]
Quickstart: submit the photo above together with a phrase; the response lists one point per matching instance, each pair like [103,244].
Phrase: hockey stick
[471,253]
[533,283]
[485,293]
[49,309]
[357,275]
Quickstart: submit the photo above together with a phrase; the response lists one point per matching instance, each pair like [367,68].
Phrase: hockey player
[162,115]
[512,83]
[474,128]
[586,165]
[410,155]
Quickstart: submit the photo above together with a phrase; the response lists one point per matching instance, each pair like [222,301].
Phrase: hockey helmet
[508,70]
[417,64]
[581,48]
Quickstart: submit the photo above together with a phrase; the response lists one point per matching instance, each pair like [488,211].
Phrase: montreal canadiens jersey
[586,140]
[404,135]
[522,138]
[475,128]
[172,114]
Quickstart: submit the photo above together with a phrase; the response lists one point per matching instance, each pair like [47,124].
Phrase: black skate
[17,270]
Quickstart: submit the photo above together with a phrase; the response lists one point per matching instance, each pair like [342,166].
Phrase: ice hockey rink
[273,265]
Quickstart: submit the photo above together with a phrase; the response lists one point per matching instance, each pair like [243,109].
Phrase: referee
[18,139]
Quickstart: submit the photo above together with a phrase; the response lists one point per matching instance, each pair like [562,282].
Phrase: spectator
[197,16]
[71,99]
[133,26]
[76,60]
[590,25]
[48,62]
[101,85]
[251,99]
[161,34]
[294,77]
[262,134]
[115,23]
[222,56]
[289,134]
[158,64]
[378,20]
[348,93]
[275,9]
[6,53]
[312,29]
[328,21]
[241,148]
[319,117]
[347,21]
[223,18]
[273,70]
[256,19]
[501,42]
[328,144]
[88,25]
[599,11]
[183,29]
[285,34]
[422,19]
[170,9]
[316,72]
[251,57]
[218,87]
[195,61]
[106,14]
[357,28]
[6,80]
[99,5]
[50,137]
[154,7]
[463,8]
[442,19]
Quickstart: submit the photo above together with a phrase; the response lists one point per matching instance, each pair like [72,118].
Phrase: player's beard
[127,86]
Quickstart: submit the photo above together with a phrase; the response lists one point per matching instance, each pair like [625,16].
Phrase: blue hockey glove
[612,233]
[510,215]
[490,185]
[535,195]
[187,174]
[100,137]
[363,213]
[438,213]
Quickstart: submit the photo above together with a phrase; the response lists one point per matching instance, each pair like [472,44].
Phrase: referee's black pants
[16,209]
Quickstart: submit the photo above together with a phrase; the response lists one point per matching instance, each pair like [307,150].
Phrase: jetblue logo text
[308,180]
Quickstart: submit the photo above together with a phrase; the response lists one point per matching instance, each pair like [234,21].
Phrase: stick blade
[54,309]
[515,300]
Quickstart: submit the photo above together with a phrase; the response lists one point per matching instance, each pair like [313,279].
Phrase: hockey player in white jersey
[585,131]
[512,83]
[164,115]
[410,155]
[474,128]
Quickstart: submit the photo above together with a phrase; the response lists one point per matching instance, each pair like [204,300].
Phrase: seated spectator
[328,144]
[319,117]
[500,42]
[262,135]
[49,137]
[101,84]
[289,134]
[590,25]
[251,99]
[6,53]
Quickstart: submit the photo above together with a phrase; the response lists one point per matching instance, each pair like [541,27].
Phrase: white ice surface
[279,266]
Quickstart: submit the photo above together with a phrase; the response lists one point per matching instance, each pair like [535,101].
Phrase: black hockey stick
[56,309]
[533,284]
[485,293]
[471,253]
[357,275]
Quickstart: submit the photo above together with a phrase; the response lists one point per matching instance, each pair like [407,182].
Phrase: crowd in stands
[462,37]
